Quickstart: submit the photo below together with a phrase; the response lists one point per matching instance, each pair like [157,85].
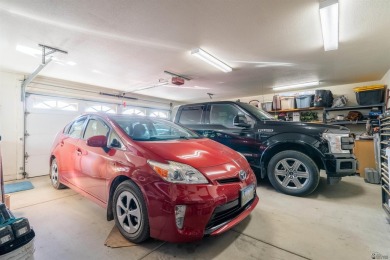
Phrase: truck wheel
[293,173]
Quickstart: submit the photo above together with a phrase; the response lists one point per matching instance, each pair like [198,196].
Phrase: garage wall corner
[11,125]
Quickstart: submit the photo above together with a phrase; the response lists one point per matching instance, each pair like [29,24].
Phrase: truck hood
[301,127]
[199,153]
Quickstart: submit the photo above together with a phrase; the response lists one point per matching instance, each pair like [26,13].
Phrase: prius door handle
[62,143]
[78,151]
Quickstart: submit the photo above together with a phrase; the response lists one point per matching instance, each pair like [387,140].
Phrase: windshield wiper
[184,137]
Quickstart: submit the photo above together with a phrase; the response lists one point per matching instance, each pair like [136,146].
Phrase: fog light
[21,227]
[180,211]
[6,235]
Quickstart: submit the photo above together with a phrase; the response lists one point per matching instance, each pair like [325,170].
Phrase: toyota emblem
[242,175]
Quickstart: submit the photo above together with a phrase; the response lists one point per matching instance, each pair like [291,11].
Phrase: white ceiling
[126,45]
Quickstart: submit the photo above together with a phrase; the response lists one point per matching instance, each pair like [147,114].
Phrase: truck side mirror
[241,121]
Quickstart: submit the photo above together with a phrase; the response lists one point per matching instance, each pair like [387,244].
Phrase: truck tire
[293,173]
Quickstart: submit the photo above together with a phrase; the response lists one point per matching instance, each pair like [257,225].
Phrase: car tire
[293,173]
[130,212]
[55,176]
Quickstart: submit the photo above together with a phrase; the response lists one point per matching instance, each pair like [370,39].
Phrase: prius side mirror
[241,121]
[97,141]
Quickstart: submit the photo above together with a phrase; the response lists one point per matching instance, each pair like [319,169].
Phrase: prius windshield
[258,113]
[141,128]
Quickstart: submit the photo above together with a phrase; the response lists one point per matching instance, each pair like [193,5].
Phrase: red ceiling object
[177,81]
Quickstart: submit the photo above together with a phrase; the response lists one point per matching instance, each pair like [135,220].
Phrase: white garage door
[46,116]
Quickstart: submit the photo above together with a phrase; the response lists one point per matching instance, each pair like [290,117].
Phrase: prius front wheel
[130,212]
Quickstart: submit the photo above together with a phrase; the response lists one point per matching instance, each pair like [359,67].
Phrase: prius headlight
[334,141]
[178,172]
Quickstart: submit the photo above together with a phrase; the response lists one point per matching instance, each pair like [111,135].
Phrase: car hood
[199,153]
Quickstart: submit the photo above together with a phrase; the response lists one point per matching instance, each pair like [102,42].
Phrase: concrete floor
[344,221]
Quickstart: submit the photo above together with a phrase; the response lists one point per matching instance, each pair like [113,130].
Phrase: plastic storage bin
[304,101]
[267,106]
[369,95]
[287,102]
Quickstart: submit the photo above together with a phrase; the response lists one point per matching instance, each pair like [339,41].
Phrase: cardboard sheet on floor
[115,239]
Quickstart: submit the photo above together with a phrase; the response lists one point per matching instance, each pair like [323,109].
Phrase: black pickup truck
[291,154]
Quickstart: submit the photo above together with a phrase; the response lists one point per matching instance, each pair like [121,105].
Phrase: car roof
[211,102]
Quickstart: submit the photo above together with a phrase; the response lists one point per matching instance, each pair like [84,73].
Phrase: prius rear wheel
[54,176]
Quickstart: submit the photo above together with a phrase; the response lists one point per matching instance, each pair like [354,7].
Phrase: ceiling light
[201,54]
[329,14]
[27,50]
[301,85]
[71,63]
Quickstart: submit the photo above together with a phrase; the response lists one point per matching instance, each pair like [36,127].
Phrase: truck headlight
[178,172]
[335,142]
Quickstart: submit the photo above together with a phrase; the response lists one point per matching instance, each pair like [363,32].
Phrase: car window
[223,114]
[76,128]
[114,141]
[96,127]
[152,129]
[191,115]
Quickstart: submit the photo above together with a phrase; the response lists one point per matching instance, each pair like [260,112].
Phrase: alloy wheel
[128,212]
[291,173]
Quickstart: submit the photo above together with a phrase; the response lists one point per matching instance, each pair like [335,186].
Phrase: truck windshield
[141,128]
[258,113]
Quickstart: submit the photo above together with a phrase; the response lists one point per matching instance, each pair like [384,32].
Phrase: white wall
[386,79]
[11,125]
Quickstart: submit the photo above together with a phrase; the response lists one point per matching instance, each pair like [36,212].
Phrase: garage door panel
[42,123]
[42,126]
[41,144]
[37,165]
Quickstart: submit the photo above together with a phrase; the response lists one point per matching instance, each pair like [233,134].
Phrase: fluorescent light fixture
[28,50]
[71,63]
[201,54]
[301,85]
[329,14]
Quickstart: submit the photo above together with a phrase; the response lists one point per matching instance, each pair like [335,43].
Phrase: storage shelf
[380,105]
[347,123]
[296,110]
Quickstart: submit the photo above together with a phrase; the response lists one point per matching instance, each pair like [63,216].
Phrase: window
[96,127]
[114,141]
[159,114]
[133,111]
[223,114]
[77,127]
[56,104]
[191,115]
[101,108]
[153,129]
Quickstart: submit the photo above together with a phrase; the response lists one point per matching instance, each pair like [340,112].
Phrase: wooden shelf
[296,110]
[353,107]
[346,122]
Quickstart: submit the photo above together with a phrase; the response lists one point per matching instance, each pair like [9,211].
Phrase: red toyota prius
[156,179]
